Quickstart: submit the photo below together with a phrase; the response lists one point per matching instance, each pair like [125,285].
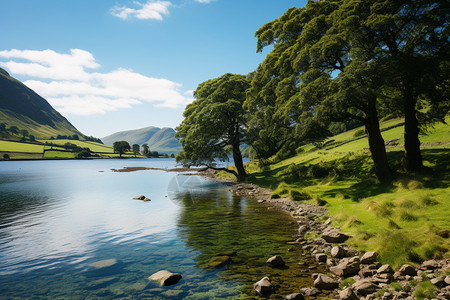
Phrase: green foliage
[426,290]
[6,156]
[121,147]
[346,283]
[136,149]
[214,123]
[359,132]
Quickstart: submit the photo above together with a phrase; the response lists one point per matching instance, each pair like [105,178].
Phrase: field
[407,220]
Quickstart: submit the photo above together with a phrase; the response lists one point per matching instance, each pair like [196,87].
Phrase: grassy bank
[405,221]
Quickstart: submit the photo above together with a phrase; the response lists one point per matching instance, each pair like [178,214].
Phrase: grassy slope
[402,221]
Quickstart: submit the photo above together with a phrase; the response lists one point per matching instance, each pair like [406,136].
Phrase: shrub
[346,283]
[299,196]
[425,290]
[6,156]
[359,132]
[316,171]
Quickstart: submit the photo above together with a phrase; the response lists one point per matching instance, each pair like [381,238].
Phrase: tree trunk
[239,164]
[376,144]
[412,160]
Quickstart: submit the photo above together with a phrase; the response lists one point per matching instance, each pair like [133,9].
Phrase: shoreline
[354,275]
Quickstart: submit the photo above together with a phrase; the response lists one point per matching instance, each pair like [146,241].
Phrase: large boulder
[334,236]
[338,252]
[323,282]
[347,267]
[263,287]
[365,287]
[369,257]
[385,269]
[165,278]
[276,262]
[347,294]
[407,270]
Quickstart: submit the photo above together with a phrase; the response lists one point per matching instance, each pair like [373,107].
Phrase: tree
[410,38]
[2,126]
[214,124]
[121,147]
[32,138]
[13,129]
[312,78]
[24,133]
[136,149]
[146,150]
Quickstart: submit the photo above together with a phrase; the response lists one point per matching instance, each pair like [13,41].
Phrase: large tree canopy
[214,124]
[121,147]
[338,59]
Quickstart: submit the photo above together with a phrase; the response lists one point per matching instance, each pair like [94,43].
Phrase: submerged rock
[218,261]
[165,278]
[102,264]
[263,287]
[276,261]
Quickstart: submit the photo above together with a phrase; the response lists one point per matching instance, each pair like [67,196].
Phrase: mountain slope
[22,107]
[158,139]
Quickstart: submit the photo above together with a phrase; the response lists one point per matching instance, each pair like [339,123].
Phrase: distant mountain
[20,106]
[158,139]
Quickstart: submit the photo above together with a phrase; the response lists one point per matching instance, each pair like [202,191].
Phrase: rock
[430,264]
[369,257]
[321,257]
[407,270]
[347,267]
[103,264]
[447,280]
[323,282]
[311,292]
[100,283]
[347,294]
[275,262]
[367,272]
[218,261]
[365,287]
[263,287]
[338,252]
[385,269]
[303,229]
[438,281]
[165,278]
[296,296]
[140,197]
[334,236]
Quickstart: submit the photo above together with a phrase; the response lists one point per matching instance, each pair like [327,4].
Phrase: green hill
[22,107]
[404,221]
[158,139]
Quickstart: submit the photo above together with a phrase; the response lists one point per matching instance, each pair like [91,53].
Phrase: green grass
[95,147]
[8,146]
[401,220]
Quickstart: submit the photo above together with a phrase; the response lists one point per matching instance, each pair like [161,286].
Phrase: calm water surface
[59,218]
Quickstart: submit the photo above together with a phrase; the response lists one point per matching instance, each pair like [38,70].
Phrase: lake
[60,220]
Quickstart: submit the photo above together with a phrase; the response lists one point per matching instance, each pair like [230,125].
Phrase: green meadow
[407,220]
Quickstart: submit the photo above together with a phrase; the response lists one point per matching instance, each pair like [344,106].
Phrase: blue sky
[117,65]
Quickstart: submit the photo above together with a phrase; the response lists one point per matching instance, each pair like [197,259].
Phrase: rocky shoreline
[352,275]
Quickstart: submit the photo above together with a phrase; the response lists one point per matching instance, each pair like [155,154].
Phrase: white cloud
[67,83]
[204,1]
[154,10]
